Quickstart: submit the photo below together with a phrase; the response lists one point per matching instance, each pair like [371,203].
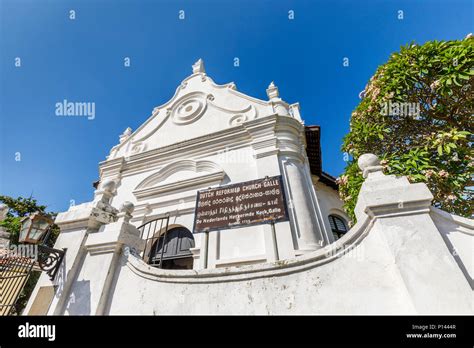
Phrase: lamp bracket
[50,259]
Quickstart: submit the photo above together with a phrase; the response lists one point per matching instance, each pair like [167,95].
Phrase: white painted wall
[211,135]
[458,233]
[330,203]
[394,260]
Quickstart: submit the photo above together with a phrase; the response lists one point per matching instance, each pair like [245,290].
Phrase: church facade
[136,248]
[209,135]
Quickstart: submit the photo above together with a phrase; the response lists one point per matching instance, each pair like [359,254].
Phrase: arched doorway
[175,253]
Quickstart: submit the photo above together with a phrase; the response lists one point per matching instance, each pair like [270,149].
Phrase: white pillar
[93,287]
[75,224]
[279,243]
[204,255]
[304,218]
[402,223]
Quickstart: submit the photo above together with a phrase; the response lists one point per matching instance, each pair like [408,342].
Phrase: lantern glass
[34,228]
[25,229]
[38,229]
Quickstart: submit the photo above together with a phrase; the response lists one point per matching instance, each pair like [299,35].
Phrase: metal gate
[152,231]
[14,272]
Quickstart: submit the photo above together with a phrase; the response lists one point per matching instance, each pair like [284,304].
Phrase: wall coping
[262,270]
[458,220]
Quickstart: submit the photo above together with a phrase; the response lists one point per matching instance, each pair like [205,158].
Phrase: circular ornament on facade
[188,110]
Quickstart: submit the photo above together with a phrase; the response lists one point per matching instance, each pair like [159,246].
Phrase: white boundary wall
[398,259]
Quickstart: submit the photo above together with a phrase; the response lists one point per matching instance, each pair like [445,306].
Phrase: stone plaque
[243,204]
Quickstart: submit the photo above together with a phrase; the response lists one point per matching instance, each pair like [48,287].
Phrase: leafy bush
[18,209]
[416,114]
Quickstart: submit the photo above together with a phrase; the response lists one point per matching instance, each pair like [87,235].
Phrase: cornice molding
[301,263]
[250,133]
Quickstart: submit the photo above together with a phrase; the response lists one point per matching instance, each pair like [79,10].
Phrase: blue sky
[82,60]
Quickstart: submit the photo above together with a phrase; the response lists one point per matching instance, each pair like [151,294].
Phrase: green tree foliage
[416,114]
[18,209]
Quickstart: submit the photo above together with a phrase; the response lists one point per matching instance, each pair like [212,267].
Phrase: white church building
[218,204]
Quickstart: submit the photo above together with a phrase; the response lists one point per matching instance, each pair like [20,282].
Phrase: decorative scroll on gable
[203,107]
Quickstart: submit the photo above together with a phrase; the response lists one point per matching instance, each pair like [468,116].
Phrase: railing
[14,272]
[152,243]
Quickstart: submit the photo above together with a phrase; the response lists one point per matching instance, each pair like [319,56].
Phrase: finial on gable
[272,91]
[126,134]
[198,67]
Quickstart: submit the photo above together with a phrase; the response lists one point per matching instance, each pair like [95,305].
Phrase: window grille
[338,226]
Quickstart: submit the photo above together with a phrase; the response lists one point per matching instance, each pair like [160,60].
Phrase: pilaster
[402,224]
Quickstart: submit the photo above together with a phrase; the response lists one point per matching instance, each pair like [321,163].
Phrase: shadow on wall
[457,233]
[60,279]
[80,300]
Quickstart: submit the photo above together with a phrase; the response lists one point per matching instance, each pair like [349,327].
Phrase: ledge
[261,270]
[458,220]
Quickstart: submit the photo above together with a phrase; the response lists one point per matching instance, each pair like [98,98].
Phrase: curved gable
[198,108]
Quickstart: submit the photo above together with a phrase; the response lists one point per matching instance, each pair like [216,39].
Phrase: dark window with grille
[175,253]
[338,226]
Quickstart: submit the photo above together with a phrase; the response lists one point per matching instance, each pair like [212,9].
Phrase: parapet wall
[402,257]
[362,273]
